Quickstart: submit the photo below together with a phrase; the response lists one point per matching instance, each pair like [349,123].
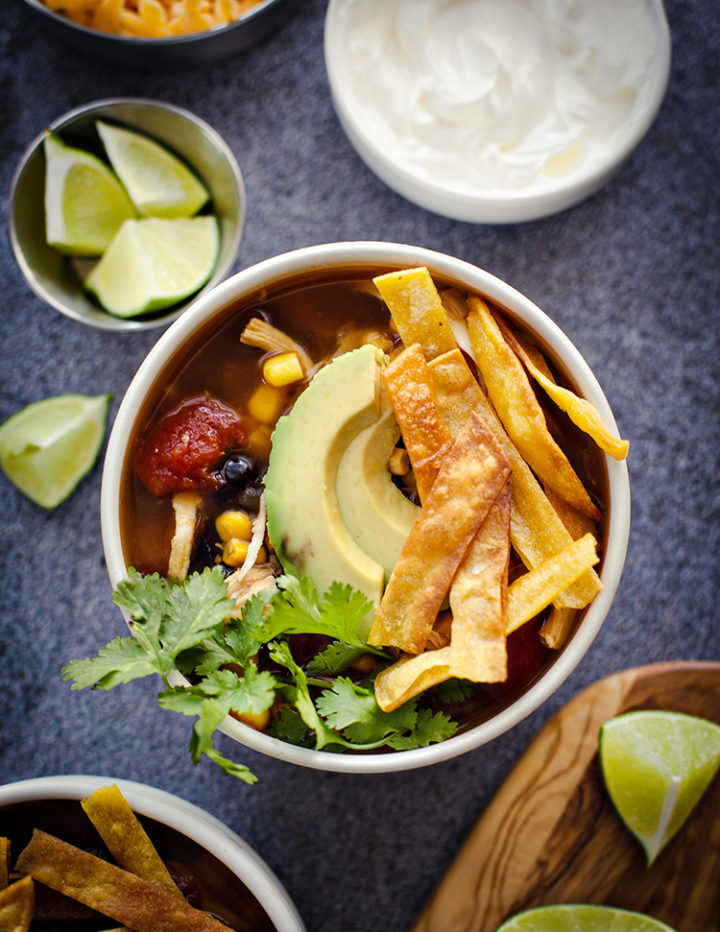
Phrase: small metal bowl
[194,49]
[49,273]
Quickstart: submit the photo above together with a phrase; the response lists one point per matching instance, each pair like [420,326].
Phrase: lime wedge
[159,184]
[581,917]
[85,204]
[50,445]
[153,263]
[656,766]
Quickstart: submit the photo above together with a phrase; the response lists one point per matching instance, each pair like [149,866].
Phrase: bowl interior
[216,869]
[180,342]
[49,274]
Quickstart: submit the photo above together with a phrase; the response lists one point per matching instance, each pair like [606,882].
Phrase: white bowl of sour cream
[496,111]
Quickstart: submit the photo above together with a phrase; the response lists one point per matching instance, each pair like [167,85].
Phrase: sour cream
[494,97]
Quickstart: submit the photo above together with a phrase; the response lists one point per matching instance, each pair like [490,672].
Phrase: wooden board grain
[551,835]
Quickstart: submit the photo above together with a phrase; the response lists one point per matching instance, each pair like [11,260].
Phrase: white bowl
[368,67]
[176,814]
[372,255]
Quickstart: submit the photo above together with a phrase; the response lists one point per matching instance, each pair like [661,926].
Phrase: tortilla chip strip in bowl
[478,600]
[409,385]
[517,406]
[417,311]
[112,891]
[4,862]
[471,477]
[17,904]
[583,414]
[125,838]
[536,530]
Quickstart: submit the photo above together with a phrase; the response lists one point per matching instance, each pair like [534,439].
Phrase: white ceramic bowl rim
[182,816]
[511,206]
[106,321]
[474,279]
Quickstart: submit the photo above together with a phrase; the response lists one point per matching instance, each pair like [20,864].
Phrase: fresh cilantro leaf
[197,608]
[244,635]
[120,661]
[334,659]
[429,729]
[201,743]
[280,653]
[454,691]
[288,726]
[353,710]
[296,608]
[252,692]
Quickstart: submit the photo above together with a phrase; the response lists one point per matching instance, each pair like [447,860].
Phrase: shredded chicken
[263,335]
[240,589]
[185,505]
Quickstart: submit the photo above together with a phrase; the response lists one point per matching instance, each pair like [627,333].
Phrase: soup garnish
[376,530]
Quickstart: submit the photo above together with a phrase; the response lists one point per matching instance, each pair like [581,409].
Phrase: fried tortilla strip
[536,530]
[530,593]
[580,411]
[17,903]
[478,599]
[410,676]
[125,838]
[130,900]
[4,862]
[517,406]
[557,627]
[576,523]
[409,385]
[416,309]
[471,477]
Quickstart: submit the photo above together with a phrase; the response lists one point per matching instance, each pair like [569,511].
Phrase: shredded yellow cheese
[151,19]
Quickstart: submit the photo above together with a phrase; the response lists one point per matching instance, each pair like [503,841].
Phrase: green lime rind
[85,203]
[581,917]
[656,766]
[170,261]
[158,182]
[49,446]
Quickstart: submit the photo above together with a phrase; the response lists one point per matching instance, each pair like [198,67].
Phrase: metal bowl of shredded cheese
[161,32]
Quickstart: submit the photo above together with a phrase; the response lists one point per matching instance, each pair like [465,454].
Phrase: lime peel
[589,917]
[49,446]
[656,766]
[85,204]
[159,184]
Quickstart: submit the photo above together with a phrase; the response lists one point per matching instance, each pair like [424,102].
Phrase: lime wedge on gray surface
[85,204]
[581,917]
[656,766]
[159,184]
[50,445]
[153,263]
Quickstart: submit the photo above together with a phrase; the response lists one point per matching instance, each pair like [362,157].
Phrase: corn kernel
[233,524]
[259,442]
[266,403]
[399,462]
[235,551]
[256,720]
[283,369]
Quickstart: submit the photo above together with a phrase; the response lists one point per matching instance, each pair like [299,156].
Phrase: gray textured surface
[631,275]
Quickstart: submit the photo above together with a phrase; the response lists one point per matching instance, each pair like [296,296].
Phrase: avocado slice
[304,521]
[376,513]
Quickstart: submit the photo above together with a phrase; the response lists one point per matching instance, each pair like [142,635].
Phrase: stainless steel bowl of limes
[170,213]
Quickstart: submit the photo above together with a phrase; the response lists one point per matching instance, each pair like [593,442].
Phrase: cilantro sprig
[191,627]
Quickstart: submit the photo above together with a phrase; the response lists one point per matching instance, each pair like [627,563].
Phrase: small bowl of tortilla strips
[152,33]
[118,854]
[364,507]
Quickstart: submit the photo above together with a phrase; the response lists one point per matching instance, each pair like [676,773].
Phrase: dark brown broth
[208,884]
[312,312]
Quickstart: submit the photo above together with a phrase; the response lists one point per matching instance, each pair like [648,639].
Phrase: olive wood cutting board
[551,834]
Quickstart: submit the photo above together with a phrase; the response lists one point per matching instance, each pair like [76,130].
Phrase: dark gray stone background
[631,275]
